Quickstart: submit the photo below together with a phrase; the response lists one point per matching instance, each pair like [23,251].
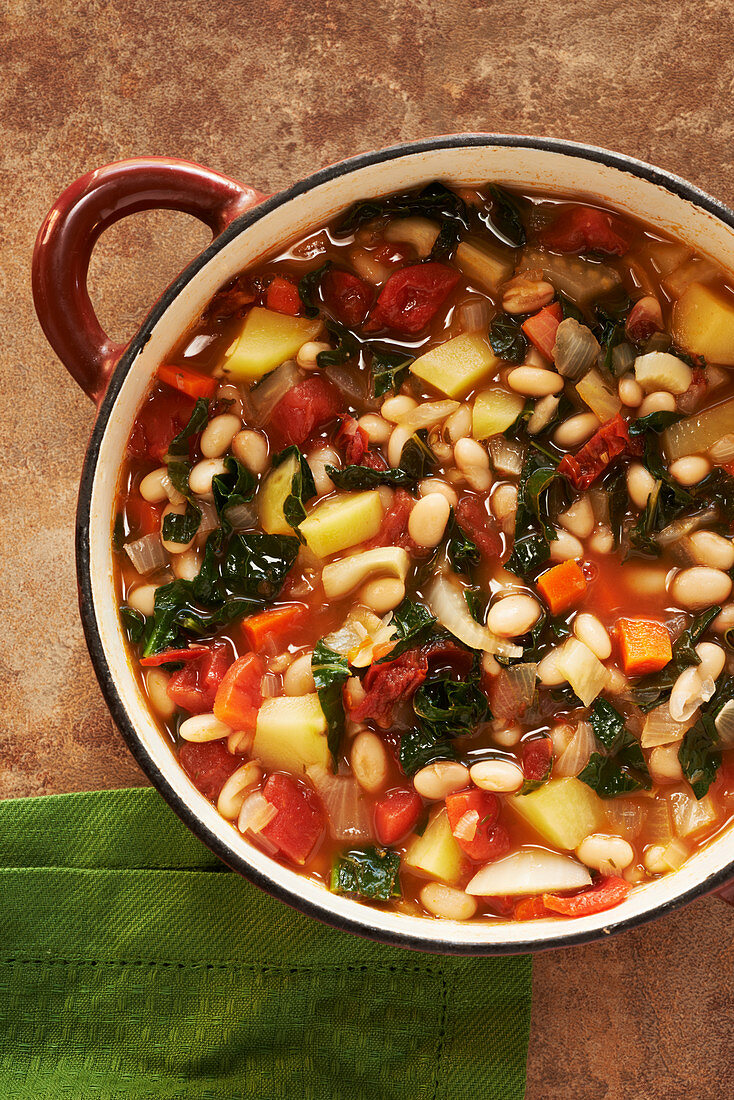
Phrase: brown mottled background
[266,92]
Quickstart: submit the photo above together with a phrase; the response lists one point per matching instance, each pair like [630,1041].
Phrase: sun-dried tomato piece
[388,684]
[611,441]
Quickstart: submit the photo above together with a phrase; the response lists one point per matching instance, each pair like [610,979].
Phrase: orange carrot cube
[562,586]
[644,645]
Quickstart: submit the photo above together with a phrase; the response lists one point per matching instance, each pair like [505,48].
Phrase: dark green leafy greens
[609,330]
[181,528]
[434,201]
[416,460]
[302,487]
[533,529]
[389,370]
[233,488]
[330,673]
[412,623]
[652,690]
[505,217]
[700,751]
[134,623]
[622,768]
[179,445]
[463,554]
[507,339]
[372,873]
[444,709]
[420,747]
[308,289]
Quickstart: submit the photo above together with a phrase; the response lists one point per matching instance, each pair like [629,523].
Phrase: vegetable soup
[425,555]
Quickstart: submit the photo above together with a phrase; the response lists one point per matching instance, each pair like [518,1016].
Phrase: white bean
[561,737]
[578,519]
[368,760]
[630,392]
[506,736]
[591,631]
[601,852]
[640,483]
[377,429]
[511,616]
[498,775]
[203,727]
[428,519]
[251,448]
[232,794]
[549,673]
[142,598]
[437,780]
[663,763]
[200,478]
[690,469]
[713,550]
[686,695]
[713,659]
[218,435]
[473,461]
[308,353]
[617,682]
[724,620]
[153,486]
[174,547]
[565,547]
[534,382]
[317,461]
[398,438]
[660,401]
[435,485]
[447,902]
[700,587]
[653,859]
[186,566]
[458,425]
[504,501]
[395,408]
[156,684]
[576,430]
[382,594]
[298,679]
[602,540]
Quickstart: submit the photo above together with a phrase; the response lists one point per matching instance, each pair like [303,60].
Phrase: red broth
[525,750]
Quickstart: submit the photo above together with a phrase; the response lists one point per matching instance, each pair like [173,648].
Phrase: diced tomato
[584,229]
[608,443]
[490,840]
[537,755]
[412,297]
[299,823]
[394,528]
[530,909]
[282,296]
[390,683]
[208,765]
[188,381]
[162,417]
[239,695]
[233,300]
[174,656]
[143,517]
[479,526]
[541,328]
[194,687]
[273,624]
[346,296]
[305,407]
[444,652]
[396,814]
[606,892]
[643,319]
[500,904]
[352,440]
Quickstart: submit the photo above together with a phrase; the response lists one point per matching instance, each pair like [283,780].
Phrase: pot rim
[90,625]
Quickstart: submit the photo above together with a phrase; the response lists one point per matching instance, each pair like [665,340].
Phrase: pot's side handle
[75,222]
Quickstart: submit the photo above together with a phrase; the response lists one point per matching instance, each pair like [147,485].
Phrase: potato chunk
[703,323]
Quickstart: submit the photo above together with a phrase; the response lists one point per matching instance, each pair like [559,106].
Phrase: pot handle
[78,218]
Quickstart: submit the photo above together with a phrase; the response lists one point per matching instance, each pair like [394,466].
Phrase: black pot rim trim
[619,161]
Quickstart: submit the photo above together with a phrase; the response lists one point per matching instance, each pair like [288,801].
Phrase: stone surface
[266,92]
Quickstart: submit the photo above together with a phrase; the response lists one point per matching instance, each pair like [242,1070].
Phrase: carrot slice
[239,695]
[644,645]
[562,586]
[273,623]
[540,329]
[187,381]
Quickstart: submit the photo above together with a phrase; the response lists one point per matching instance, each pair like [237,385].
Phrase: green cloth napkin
[135,965]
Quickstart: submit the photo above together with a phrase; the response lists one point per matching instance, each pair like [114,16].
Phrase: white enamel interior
[541,169]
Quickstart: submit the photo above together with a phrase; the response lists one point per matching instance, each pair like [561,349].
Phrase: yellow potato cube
[703,323]
[342,521]
[457,366]
[266,340]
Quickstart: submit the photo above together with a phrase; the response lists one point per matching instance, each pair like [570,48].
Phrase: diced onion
[256,813]
[345,805]
[269,685]
[691,815]
[242,516]
[722,451]
[513,690]
[679,528]
[507,455]
[658,824]
[598,395]
[575,756]
[676,853]
[445,599]
[600,505]
[358,637]
[353,383]
[427,415]
[661,729]
[266,394]
[174,497]
[575,350]
[466,826]
[623,356]
[626,816]
[529,871]
[697,433]
[725,724]
[209,517]
[473,316]
[580,280]
[583,670]
[147,554]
